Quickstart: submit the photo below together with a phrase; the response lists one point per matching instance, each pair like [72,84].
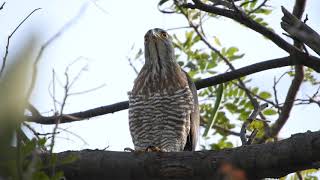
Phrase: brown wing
[194,118]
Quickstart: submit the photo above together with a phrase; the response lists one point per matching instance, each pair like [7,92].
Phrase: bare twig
[132,66]
[9,37]
[74,134]
[66,90]
[1,7]
[252,136]
[253,116]
[274,87]
[258,97]
[177,28]
[259,7]
[87,91]
[48,43]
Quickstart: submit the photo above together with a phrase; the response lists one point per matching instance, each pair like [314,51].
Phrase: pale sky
[103,36]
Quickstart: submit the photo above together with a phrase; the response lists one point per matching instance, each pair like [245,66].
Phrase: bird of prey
[163,104]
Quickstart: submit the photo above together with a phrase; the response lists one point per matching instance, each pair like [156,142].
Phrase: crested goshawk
[163,104]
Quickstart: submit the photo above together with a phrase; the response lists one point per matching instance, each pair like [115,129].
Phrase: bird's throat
[158,57]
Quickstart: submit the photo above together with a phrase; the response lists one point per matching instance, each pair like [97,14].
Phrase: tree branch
[299,30]
[273,160]
[295,85]
[302,59]
[245,20]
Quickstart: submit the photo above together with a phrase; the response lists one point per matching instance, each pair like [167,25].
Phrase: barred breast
[160,119]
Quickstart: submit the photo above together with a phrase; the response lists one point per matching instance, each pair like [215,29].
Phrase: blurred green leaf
[265,95]
[215,109]
[269,112]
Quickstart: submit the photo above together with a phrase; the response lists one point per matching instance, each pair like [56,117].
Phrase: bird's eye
[145,39]
[164,35]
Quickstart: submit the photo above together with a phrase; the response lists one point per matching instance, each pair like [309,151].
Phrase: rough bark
[300,31]
[299,152]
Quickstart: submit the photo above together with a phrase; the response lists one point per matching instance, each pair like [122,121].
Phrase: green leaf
[269,112]
[265,95]
[231,107]
[232,50]
[217,41]
[253,3]
[28,147]
[234,57]
[219,93]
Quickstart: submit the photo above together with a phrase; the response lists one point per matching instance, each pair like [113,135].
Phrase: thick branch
[245,20]
[302,59]
[300,31]
[275,160]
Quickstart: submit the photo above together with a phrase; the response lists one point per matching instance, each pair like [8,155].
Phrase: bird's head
[159,49]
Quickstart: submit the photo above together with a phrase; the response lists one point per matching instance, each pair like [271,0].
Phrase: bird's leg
[153,149]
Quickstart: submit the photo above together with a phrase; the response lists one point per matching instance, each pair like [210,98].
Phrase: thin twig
[257,8]
[48,43]
[1,7]
[74,134]
[257,96]
[87,91]
[253,116]
[66,89]
[132,66]
[178,28]
[8,40]
[252,136]
[275,92]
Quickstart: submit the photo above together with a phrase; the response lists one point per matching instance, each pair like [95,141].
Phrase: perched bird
[163,104]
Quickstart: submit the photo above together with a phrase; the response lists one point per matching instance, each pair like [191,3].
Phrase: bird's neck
[165,77]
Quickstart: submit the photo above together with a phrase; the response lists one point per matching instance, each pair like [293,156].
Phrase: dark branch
[272,160]
[300,31]
[245,20]
[303,59]
[295,84]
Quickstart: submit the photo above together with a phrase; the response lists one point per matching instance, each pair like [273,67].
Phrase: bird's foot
[148,149]
[153,149]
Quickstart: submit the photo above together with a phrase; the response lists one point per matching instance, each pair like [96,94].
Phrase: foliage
[22,160]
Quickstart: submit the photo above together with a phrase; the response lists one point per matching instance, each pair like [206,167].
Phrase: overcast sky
[103,37]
